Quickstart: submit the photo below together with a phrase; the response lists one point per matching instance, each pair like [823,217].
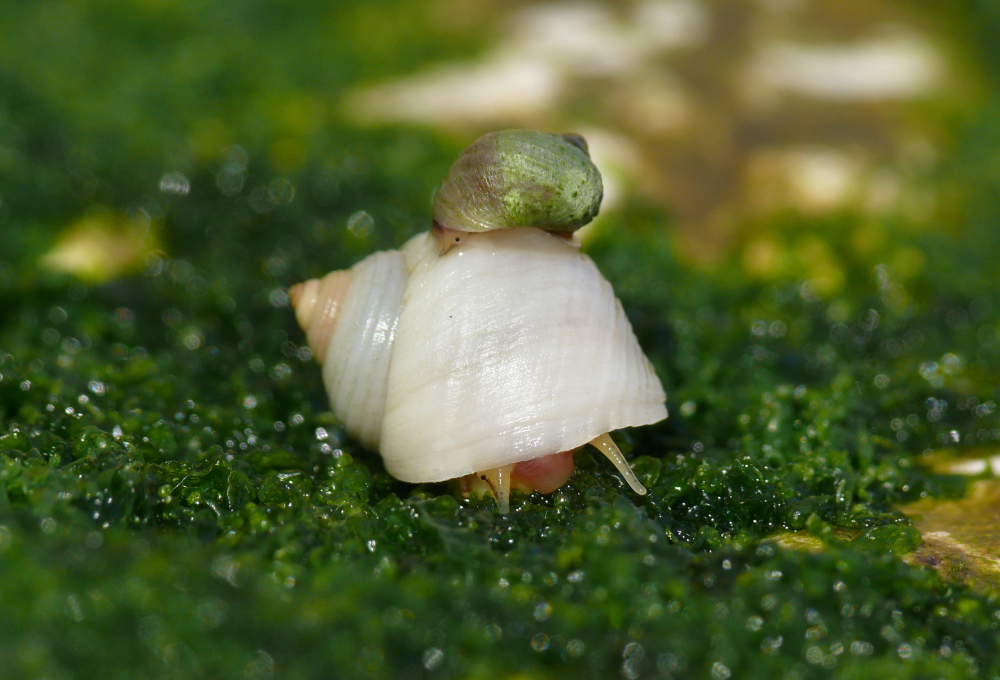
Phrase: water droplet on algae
[261,200]
[433,658]
[360,224]
[282,190]
[175,183]
[278,297]
[235,157]
[720,671]
[633,655]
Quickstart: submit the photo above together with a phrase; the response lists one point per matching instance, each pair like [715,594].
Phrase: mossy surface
[176,500]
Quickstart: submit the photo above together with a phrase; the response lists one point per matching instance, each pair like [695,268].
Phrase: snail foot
[544,474]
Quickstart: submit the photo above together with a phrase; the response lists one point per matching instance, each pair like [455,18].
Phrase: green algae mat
[177,500]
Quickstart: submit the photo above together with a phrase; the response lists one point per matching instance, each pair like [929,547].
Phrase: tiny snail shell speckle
[490,348]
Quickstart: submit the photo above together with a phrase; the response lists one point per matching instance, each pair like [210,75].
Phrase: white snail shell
[508,348]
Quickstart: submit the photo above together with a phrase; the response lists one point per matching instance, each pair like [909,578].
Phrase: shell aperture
[520,178]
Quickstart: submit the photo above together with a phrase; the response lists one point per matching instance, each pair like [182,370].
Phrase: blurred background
[121,122]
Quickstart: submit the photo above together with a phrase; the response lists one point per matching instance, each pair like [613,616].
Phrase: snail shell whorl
[520,178]
[350,321]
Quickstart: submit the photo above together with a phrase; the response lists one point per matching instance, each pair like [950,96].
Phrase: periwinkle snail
[489,348]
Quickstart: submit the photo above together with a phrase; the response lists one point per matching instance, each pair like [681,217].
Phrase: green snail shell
[520,178]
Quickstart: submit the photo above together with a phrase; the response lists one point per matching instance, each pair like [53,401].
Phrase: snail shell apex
[520,178]
[316,303]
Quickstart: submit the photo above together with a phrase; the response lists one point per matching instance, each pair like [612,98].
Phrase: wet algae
[176,500]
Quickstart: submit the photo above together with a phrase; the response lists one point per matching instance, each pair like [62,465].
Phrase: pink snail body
[486,353]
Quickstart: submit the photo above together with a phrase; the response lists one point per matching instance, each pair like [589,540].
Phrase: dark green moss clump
[176,500]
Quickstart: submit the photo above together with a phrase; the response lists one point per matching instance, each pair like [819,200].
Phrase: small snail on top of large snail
[488,348]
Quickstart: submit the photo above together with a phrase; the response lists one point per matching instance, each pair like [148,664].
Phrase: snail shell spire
[317,303]
[520,178]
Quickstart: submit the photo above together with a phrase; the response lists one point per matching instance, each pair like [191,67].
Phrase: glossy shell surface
[510,347]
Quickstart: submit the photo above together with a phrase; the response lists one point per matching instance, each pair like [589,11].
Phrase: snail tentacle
[446,238]
[498,479]
[605,445]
